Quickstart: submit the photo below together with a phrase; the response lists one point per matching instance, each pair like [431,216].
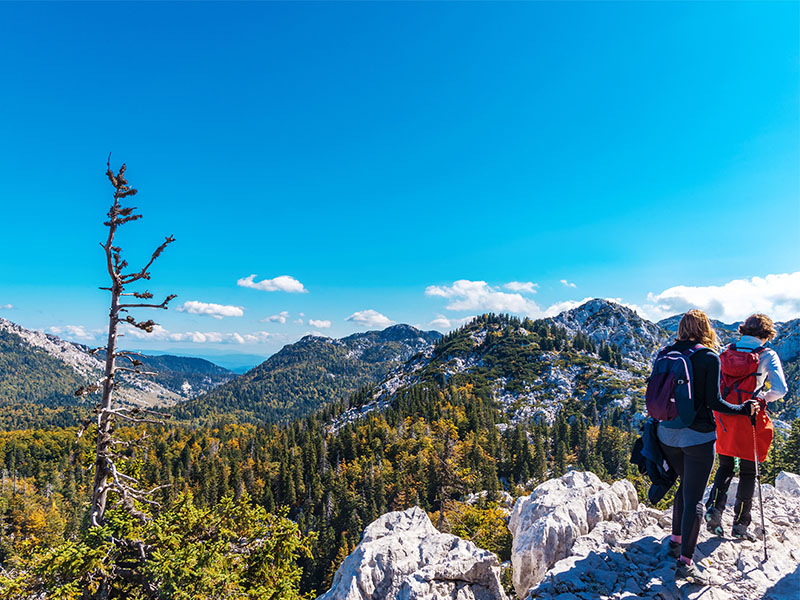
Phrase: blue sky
[423,161]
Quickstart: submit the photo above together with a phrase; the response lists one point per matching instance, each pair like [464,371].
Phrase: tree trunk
[101,472]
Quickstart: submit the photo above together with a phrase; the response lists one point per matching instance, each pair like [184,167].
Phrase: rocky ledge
[402,556]
[576,538]
[546,524]
[624,556]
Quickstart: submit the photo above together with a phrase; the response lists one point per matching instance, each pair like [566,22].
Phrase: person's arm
[775,378]
[713,398]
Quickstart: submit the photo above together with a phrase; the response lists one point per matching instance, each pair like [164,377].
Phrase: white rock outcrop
[402,556]
[546,524]
[625,555]
[788,483]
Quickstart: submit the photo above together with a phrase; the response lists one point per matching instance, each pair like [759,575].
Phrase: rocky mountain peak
[624,554]
[402,331]
[787,342]
[607,322]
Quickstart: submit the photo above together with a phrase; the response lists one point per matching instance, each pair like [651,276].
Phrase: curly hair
[758,325]
[696,326]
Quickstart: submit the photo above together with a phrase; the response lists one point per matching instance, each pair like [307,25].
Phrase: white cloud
[479,295]
[298,321]
[200,337]
[6,306]
[217,311]
[567,283]
[370,318]
[443,323]
[319,323]
[775,295]
[281,317]
[282,283]
[440,322]
[560,307]
[76,332]
[522,286]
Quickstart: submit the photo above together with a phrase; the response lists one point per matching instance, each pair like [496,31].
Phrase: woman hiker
[749,370]
[690,450]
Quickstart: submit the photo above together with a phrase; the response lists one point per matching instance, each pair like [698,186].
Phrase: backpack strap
[693,349]
[757,352]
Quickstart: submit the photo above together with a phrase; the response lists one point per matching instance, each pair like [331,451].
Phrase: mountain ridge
[308,374]
[43,370]
[601,356]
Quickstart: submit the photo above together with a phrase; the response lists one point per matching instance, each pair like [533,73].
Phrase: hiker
[689,449]
[749,370]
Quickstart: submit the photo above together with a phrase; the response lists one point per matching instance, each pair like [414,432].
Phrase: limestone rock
[403,557]
[624,555]
[546,524]
[788,483]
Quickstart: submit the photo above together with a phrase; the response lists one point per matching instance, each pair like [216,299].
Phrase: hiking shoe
[674,550]
[740,532]
[690,574]
[714,521]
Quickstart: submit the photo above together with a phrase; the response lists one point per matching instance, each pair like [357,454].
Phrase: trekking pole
[758,482]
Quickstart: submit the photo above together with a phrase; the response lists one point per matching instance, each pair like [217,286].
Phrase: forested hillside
[185,375]
[308,374]
[36,390]
[531,369]
[40,373]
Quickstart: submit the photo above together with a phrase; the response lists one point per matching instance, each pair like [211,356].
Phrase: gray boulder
[788,483]
[546,524]
[402,556]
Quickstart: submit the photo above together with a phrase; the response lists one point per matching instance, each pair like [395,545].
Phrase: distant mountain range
[237,363]
[613,324]
[532,369]
[308,374]
[42,370]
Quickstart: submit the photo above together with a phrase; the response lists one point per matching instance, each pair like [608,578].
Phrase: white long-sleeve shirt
[770,370]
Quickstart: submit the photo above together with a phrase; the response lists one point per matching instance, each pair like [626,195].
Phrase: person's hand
[751,407]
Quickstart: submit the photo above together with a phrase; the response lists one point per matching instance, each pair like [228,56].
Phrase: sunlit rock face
[402,556]
[546,524]
[622,552]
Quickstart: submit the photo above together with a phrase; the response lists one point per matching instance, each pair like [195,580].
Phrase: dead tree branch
[107,478]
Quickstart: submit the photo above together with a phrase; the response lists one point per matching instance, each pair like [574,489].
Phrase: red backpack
[738,384]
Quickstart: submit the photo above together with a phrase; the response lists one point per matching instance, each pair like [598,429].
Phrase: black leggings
[693,464]
[744,492]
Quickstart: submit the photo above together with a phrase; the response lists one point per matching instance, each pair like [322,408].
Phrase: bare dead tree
[107,475]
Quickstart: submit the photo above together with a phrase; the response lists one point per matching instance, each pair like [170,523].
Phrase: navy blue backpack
[669,388]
